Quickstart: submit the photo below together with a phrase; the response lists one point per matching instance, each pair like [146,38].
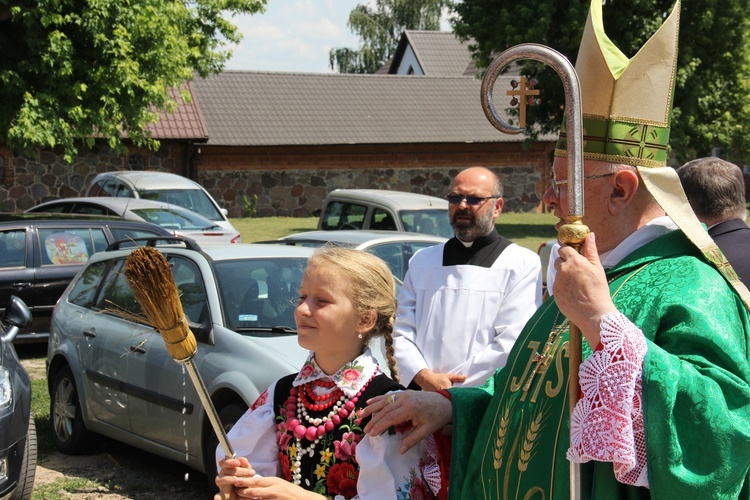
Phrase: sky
[294,35]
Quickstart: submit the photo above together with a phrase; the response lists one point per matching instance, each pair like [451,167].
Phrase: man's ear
[498,208]
[624,187]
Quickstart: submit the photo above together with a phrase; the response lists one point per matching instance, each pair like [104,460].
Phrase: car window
[13,248]
[107,187]
[259,293]
[174,218]
[83,291]
[121,190]
[434,222]
[192,199]
[65,246]
[92,209]
[187,278]
[393,255]
[95,189]
[116,294]
[382,220]
[55,208]
[332,215]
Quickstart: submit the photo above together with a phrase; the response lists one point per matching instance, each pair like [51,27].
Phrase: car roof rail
[152,241]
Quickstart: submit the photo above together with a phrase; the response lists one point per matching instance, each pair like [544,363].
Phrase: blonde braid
[389,350]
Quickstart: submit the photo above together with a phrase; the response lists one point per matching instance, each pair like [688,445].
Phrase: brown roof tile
[248,108]
[185,122]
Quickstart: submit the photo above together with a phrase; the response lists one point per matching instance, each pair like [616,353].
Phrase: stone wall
[299,193]
[285,187]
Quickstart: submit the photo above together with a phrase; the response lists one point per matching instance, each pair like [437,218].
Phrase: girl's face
[327,321]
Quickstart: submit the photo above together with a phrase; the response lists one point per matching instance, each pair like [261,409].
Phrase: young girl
[303,438]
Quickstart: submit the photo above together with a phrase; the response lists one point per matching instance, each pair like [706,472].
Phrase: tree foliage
[380,28]
[72,71]
[713,74]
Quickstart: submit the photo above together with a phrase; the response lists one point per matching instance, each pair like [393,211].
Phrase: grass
[527,229]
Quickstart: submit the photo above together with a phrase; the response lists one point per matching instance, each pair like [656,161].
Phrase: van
[385,210]
[41,253]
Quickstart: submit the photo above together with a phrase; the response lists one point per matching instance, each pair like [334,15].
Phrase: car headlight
[6,389]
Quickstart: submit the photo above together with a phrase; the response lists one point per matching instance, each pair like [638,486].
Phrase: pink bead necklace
[299,401]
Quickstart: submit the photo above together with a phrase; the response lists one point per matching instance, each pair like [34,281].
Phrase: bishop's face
[597,188]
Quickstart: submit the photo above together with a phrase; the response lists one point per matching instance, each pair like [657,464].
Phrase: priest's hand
[581,290]
[428,412]
[429,380]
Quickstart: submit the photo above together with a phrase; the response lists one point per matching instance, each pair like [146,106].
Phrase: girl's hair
[372,288]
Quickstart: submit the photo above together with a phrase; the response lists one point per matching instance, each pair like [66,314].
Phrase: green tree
[72,71]
[380,29]
[713,74]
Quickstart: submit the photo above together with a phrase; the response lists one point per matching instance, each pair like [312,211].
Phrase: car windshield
[192,199]
[174,218]
[434,222]
[260,293]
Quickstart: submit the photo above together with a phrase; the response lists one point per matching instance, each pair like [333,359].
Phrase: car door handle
[137,348]
[89,333]
[21,286]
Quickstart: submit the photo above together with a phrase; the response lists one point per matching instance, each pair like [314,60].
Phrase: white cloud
[293,35]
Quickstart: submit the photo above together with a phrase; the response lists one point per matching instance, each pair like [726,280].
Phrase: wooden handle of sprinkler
[208,405]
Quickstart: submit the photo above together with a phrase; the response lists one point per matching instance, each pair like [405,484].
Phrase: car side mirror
[16,316]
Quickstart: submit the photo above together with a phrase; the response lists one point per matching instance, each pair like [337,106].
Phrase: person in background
[463,303]
[664,408]
[302,438]
[715,189]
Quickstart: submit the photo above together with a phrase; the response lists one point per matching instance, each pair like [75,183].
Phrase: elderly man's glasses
[556,184]
[456,199]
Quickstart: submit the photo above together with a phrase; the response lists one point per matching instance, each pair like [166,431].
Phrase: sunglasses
[556,184]
[456,199]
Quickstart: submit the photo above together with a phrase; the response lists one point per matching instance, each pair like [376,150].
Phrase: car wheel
[28,466]
[68,430]
[228,416]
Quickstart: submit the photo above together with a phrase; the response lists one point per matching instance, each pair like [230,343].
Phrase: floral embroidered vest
[330,468]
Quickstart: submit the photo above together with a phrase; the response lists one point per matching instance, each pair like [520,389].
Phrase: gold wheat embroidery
[502,433]
[532,432]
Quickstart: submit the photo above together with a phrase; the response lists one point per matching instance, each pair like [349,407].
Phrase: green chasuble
[510,437]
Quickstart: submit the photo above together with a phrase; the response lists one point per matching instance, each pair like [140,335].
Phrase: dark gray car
[40,254]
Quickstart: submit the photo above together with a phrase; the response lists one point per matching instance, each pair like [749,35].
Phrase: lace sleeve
[607,422]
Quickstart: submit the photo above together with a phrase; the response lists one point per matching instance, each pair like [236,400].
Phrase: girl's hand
[272,487]
[231,473]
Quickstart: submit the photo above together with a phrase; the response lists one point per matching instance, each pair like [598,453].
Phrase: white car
[382,209]
[178,220]
[160,186]
[395,248]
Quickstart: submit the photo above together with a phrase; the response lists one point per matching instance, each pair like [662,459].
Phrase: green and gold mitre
[627,108]
[626,103]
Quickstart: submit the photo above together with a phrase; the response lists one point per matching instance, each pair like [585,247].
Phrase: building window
[136,162]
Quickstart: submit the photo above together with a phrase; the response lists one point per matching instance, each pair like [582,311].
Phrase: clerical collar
[481,252]
[650,231]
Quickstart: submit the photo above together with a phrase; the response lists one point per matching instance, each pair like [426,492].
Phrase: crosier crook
[574,232]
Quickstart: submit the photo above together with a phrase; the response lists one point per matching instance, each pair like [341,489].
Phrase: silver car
[174,218]
[395,248]
[113,376]
[160,186]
